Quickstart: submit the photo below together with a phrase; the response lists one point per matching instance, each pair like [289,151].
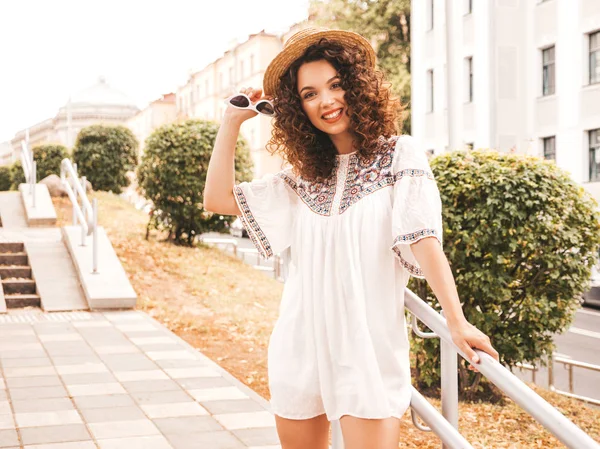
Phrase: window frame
[545,141]
[593,52]
[548,69]
[593,149]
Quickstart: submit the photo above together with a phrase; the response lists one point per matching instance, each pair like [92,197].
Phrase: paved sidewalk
[118,380]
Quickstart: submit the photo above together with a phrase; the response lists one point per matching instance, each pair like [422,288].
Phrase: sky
[50,50]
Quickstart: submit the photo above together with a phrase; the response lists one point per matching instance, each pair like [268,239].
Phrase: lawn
[226,309]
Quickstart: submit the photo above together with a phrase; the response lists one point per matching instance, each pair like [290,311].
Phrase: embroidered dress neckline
[346,154]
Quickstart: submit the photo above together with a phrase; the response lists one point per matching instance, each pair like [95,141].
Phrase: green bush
[5,178]
[521,238]
[104,155]
[172,175]
[47,158]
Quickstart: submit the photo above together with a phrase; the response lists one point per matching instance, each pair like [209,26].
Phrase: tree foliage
[104,154]
[521,238]
[5,178]
[386,24]
[173,174]
[47,158]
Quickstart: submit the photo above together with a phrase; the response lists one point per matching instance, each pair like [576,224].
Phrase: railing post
[449,359]
[95,236]
[337,439]
[75,194]
[550,373]
[33,181]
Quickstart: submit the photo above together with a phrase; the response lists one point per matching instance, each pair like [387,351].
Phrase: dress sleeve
[267,208]
[417,206]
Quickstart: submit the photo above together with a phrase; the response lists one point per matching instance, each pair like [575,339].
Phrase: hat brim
[294,50]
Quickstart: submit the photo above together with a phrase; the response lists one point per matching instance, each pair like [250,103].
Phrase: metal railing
[276,269]
[568,364]
[29,167]
[84,215]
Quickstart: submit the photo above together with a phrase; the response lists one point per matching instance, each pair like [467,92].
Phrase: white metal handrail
[29,167]
[85,214]
[544,413]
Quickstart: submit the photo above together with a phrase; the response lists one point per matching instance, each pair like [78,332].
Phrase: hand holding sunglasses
[242,101]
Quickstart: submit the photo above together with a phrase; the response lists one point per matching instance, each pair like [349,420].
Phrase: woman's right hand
[241,115]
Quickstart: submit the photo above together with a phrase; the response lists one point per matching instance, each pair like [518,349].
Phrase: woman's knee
[303,433]
[360,433]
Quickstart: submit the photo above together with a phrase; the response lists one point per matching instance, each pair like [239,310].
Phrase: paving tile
[88,378]
[232,406]
[54,418]
[12,363]
[5,408]
[117,349]
[57,391]
[18,346]
[173,410]
[200,371]
[161,397]
[187,424]
[95,389]
[76,360]
[61,348]
[128,362]
[82,369]
[60,337]
[213,440]
[54,434]
[217,394]
[171,355]
[181,363]
[3,396]
[23,354]
[9,438]
[172,346]
[261,436]
[43,405]
[103,401]
[127,328]
[29,371]
[154,442]
[75,445]
[128,376]
[36,381]
[233,421]
[199,383]
[151,385]
[7,422]
[152,340]
[17,332]
[91,324]
[119,429]
[94,415]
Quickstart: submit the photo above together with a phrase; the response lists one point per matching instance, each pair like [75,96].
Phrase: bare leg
[362,433]
[310,433]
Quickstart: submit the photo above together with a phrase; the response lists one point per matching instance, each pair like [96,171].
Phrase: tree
[521,238]
[104,154]
[5,178]
[386,24]
[173,174]
[47,159]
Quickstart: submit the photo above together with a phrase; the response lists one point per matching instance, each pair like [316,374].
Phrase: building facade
[99,103]
[153,116]
[241,66]
[6,154]
[528,79]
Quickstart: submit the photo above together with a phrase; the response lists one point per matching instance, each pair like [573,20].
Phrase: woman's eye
[336,84]
[307,95]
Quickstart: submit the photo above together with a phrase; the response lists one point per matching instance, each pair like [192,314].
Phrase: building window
[548,71]
[251,64]
[429,15]
[595,57]
[595,155]
[429,91]
[469,146]
[468,6]
[550,148]
[469,79]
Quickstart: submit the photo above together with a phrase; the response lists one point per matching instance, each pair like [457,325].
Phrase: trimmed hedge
[5,178]
[172,175]
[521,238]
[104,154]
[47,158]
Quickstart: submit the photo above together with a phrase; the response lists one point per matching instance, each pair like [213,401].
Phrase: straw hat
[294,48]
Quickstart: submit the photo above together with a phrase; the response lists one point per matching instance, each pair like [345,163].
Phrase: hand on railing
[466,337]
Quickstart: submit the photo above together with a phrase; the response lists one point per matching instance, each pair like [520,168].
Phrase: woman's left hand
[466,337]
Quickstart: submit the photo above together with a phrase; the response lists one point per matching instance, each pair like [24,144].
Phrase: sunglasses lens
[240,101]
[265,108]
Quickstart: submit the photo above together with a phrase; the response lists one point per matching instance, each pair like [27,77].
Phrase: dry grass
[227,309]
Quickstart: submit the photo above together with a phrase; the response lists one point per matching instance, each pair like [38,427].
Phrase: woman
[359,212]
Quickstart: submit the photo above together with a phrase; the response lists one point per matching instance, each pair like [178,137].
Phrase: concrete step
[15,272]
[17,301]
[12,247]
[19,286]
[13,259]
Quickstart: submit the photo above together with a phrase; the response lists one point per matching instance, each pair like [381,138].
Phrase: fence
[29,168]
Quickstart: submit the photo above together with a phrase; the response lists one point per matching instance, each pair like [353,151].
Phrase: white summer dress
[340,345]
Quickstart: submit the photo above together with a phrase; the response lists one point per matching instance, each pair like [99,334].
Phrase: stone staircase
[15,273]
